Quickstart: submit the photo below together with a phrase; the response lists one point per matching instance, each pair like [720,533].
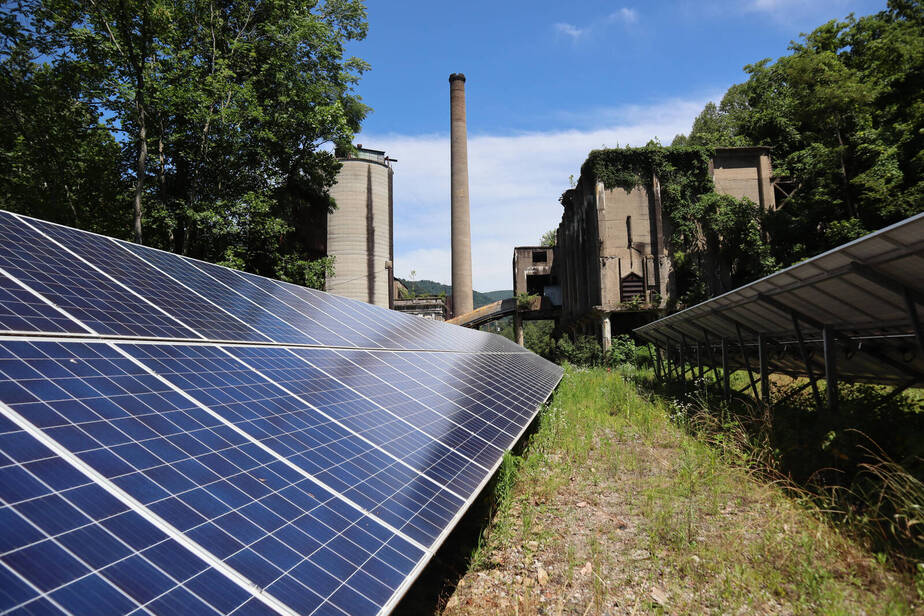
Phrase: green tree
[844,113]
[221,109]
[58,161]
[549,238]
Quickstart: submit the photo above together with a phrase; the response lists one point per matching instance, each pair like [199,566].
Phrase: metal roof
[869,293]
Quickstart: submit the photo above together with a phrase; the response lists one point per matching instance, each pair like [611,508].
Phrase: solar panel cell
[23,311]
[86,294]
[205,318]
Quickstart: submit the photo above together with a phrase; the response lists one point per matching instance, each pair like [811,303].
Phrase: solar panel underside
[177,437]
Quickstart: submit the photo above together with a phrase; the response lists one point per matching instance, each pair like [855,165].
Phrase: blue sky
[547,82]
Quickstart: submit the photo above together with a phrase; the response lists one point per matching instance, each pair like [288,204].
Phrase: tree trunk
[142,166]
[850,209]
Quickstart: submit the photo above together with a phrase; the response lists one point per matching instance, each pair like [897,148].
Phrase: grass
[620,504]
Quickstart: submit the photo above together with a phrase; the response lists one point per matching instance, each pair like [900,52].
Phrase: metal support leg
[805,360]
[747,363]
[764,372]
[699,361]
[715,374]
[667,360]
[830,368]
[915,321]
[655,360]
[725,377]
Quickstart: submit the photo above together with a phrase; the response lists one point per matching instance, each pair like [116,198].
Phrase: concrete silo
[359,231]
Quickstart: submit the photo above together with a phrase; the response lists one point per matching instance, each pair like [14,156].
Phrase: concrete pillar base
[606,334]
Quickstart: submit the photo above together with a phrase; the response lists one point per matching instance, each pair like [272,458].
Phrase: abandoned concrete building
[610,269]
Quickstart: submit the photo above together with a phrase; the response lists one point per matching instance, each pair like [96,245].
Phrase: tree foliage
[844,113]
[549,238]
[201,121]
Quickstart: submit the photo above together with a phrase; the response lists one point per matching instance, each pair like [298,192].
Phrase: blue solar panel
[267,326]
[293,452]
[170,296]
[508,427]
[68,544]
[23,311]
[387,427]
[245,506]
[89,296]
[323,312]
[300,321]
[356,370]
[382,484]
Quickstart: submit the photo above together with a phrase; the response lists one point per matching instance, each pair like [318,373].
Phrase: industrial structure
[359,231]
[461,225]
[611,268]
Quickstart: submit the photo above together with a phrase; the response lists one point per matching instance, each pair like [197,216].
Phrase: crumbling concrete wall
[613,252]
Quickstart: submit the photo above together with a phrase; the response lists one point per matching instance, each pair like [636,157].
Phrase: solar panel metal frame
[415,339]
[869,292]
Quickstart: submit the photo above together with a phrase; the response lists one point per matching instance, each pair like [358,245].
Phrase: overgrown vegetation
[622,503]
[717,241]
[844,113]
[863,466]
[195,127]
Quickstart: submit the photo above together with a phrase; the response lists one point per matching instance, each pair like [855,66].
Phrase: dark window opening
[629,229]
[535,285]
[539,256]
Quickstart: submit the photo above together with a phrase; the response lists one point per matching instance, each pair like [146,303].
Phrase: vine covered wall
[716,241]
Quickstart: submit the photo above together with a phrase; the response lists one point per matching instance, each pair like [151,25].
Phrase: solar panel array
[869,291]
[178,437]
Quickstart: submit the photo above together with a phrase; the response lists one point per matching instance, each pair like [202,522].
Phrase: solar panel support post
[913,317]
[699,360]
[655,352]
[747,363]
[835,334]
[764,369]
[806,359]
[667,360]
[827,334]
[711,356]
[725,378]
[683,366]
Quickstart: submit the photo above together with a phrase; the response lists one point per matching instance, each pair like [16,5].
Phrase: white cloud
[623,15]
[514,185]
[570,30]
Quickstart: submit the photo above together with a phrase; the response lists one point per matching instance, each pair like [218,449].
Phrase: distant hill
[431,287]
[496,295]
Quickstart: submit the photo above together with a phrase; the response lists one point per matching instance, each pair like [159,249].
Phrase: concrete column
[605,332]
[764,179]
[461,225]
[518,327]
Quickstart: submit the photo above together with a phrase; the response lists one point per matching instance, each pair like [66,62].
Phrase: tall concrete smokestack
[461,226]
